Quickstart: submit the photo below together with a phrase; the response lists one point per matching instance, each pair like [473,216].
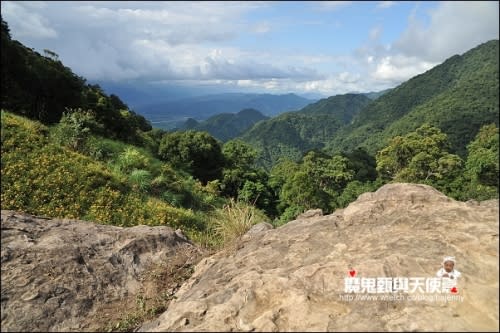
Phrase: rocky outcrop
[293,278]
[61,275]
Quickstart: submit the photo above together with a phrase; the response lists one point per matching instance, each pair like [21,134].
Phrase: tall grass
[233,220]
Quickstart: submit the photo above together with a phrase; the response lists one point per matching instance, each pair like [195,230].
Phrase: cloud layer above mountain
[270,46]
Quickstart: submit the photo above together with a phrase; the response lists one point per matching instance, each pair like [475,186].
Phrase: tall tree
[197,152]
[418,157]
[482,161]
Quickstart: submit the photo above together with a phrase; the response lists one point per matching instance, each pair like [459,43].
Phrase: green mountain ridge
[293,133]
[458,96]
[226,126]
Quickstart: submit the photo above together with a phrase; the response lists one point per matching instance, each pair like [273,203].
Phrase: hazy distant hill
[169,114]
[458,96]
[226,126]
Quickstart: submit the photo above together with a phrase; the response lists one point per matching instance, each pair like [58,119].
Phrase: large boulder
[293,278]
[62,275]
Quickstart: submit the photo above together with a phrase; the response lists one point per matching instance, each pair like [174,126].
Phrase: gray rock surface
[292,278]
[310,213]
[59,275]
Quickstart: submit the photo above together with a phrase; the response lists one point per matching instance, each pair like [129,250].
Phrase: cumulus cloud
[203,42]
[31,24]
[148,41]
[454,28]
[398,68]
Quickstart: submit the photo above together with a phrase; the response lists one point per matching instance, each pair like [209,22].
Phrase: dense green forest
[292,134]
[458,96]
[226,126]
[70,150]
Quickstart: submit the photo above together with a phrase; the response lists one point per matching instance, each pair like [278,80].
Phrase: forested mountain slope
[226,126]
[458,96]
[294,133]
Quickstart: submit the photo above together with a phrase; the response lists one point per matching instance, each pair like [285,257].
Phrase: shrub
[102,149]
[131,159]
[140,179]
[235,219]
[288,215]
[74,128]
[42,178]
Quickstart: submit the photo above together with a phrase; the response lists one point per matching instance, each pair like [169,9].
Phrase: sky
[329,47]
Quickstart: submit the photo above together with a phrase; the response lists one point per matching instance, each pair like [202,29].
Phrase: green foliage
[227,126]
[196,152]
[239,160]
[140,180]
[289,214]
[363,164]
[419,156]
[278,176]
[131,159]
[74,129]
[238,154]
[482,161]
[480,179]
[458,96]
[312,184]
[241,180]
[40,177]
[103,149]
[260,194]
[292,134]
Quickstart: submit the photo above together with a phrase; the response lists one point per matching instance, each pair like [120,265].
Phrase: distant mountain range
[458,96]
[226,126]
[170,114]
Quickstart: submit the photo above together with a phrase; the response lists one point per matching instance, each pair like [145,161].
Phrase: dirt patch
[159,283]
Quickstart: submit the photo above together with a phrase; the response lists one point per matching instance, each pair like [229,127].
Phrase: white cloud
[331,5]
[31,24]
[454,28]
[157,41]
[204,43]
[399,68]
[385,4]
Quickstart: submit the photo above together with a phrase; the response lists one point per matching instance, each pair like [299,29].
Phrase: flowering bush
[43,178]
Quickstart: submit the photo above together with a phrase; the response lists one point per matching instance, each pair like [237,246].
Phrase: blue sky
[328,47]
